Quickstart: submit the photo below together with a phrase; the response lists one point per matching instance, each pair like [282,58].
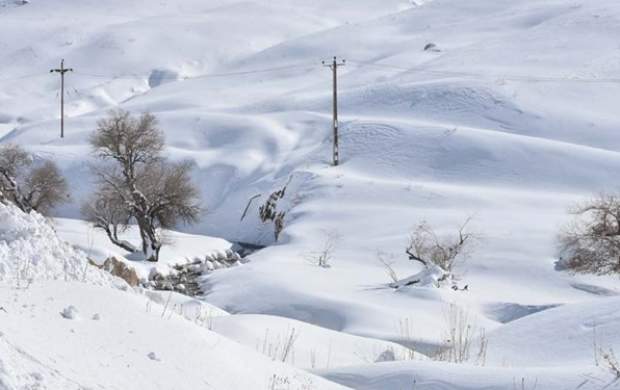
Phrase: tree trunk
[120,243]
[14,192]
[151,243]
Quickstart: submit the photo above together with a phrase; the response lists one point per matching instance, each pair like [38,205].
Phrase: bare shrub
[406,332]
[591,242]
[464,341]
[136,184]
[388,261]
[323,257]
[522,385]
[281,347]
[604,356]
[29,183]
[428,248]
[438,254]
[268,212]
[608,357]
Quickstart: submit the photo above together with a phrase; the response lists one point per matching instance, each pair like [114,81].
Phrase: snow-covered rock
[69,312]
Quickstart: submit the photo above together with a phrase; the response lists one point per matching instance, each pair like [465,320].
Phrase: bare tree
[29,183]
[139,182]
[13,160]
[45,187]
[591,243]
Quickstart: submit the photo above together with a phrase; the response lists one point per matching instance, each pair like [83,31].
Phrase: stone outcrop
[118,268]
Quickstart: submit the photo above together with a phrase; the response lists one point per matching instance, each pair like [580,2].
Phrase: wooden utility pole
[62,70]
[334,67]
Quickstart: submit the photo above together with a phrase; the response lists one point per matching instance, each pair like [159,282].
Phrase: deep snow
[511,121]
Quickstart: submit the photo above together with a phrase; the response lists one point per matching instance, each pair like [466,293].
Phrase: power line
[418,70]
[139,76]
[203,76]
[22,77]
[486,76]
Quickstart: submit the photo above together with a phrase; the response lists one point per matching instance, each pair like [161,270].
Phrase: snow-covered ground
[181,247]
[510,121]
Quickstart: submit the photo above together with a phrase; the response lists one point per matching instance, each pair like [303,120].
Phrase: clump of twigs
[323,257]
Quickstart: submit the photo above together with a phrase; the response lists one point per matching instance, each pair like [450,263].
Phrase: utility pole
[62,70]
[334,67]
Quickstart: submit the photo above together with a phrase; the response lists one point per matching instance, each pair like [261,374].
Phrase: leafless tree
[140,184]
[45,187]
[13,161]
[29,183]
[591,243]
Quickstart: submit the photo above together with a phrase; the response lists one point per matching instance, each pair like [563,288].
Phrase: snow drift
[31,251]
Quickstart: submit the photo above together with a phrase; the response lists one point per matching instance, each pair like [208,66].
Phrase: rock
[386,356]
[153,356]
[155,275]
[431,47]
[69,312]
[185,277]
[92,262]
[120,269]
[96,317]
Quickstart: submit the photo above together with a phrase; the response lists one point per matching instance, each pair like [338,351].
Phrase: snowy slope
[120,340]
[66,324]
[511,121]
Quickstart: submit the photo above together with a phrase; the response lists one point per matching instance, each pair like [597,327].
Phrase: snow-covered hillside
[510,119]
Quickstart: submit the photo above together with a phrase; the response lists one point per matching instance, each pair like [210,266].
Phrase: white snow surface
[133,345]
[180,248]
[512,120]
[30,251]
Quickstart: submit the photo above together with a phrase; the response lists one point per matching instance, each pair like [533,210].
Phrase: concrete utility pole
[62,70]
[334,67]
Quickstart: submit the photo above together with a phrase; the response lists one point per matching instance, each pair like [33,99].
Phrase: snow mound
[304,345]
[30,250]
[540,339]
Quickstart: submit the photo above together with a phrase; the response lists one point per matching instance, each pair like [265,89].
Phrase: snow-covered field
[510,121]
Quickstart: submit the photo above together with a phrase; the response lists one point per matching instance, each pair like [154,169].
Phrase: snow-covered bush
[30,250]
